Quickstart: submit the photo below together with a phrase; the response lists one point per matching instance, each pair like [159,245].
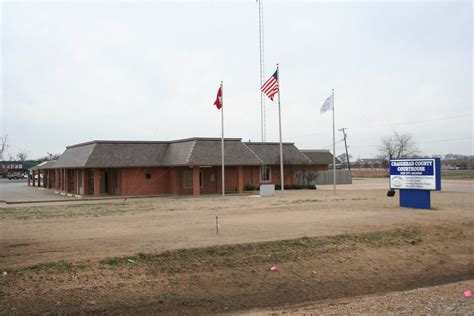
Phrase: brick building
[187,166]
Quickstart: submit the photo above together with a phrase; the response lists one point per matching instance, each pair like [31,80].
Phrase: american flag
[270,87]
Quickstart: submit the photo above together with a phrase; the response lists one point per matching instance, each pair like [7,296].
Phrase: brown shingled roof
[319,156]
[192,151]
[269,153]
[45,165]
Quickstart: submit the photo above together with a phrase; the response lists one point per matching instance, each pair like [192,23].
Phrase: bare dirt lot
[74,258]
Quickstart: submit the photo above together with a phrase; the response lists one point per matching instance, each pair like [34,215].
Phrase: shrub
[249,187]
[296,187]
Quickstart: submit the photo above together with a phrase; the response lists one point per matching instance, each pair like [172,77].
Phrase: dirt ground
[74,258]
[445,299]
[31,235]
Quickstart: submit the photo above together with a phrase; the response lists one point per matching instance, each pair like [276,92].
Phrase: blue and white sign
[415,174]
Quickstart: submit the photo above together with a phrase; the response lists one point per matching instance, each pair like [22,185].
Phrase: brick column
[45,178]
[66,183]
[196,187]
[240,179]
[33,176]
[56,179]
[218,179]
[61,180]
[85,181]
[97,182]
[29,180]
[77,182]
[173,180]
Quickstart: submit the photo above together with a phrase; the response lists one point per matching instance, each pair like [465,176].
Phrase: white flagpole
[333,145]
[282,175]
[222,140]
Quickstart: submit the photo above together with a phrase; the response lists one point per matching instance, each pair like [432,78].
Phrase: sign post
[415,178]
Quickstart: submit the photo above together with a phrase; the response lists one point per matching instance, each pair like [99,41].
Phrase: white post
[333,145]
[282,175]
[222,140]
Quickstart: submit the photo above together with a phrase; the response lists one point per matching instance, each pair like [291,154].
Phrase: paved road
[382,183]
[19,191]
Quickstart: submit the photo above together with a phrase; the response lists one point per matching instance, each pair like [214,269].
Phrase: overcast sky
[76,71]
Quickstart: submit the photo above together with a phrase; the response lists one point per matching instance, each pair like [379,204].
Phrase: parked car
[14,176]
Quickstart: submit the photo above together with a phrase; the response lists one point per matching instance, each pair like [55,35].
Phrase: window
[188,179]
[265,173]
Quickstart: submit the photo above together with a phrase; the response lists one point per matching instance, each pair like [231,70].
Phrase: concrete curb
[107,198]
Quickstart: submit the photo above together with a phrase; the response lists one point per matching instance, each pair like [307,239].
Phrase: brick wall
[134,182]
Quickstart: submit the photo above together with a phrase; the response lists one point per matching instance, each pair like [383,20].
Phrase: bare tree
[23,155]
[3,145]
[398,146]
[49,156]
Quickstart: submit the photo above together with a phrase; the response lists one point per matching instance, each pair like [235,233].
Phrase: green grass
[59,266]
[260,254]
[110,261]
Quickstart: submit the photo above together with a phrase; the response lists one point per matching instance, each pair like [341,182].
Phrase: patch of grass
[110,261]
[59,266]
[3,295]
[82,266]
[211,251]
[144,256]
[207,259]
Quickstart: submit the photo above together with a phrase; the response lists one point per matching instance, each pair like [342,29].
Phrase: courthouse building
[186,166]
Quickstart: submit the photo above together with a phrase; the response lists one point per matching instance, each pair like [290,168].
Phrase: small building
[186,166]
[16,167]
[320,157]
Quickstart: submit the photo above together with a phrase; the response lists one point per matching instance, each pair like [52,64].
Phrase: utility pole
[345,143]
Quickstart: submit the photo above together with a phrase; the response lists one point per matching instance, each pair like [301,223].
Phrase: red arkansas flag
[218,102]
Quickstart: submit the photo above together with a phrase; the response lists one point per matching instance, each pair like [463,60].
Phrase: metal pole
[282,175]
[262,69]
[222,140]
[333,144]
[262,78]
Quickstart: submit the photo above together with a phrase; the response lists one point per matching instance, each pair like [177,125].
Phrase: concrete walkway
[19,191]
